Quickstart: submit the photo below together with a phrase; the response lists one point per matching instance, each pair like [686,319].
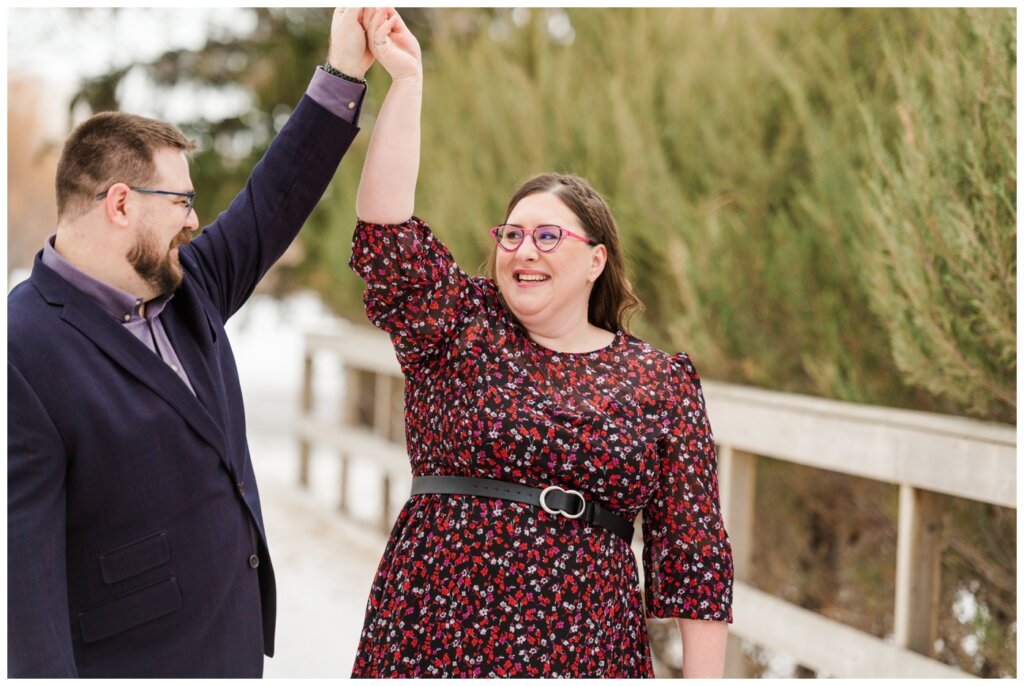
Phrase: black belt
[554,499]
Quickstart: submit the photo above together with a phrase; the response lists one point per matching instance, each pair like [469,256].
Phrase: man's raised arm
[235,251]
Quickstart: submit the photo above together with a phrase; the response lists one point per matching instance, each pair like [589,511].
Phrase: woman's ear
[598,259]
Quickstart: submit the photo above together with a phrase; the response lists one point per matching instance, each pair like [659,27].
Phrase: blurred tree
[941,209]
[31,168]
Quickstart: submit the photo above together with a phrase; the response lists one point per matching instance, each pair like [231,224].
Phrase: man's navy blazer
[136,545]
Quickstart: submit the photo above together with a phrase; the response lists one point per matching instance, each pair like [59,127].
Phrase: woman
[538,428]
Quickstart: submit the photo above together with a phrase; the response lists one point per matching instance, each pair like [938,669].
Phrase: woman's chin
[525,309]
[526,303]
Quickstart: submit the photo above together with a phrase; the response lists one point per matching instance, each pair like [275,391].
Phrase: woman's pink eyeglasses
[509,237]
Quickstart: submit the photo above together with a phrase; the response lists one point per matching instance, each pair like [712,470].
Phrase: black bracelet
[331,70]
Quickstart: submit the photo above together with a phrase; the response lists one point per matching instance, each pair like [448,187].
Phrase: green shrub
[814,201]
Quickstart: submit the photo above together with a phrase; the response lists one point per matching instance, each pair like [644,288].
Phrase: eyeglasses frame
[530,232]
[191,196]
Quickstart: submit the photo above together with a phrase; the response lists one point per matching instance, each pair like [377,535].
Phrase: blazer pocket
[130,610]
[135,558]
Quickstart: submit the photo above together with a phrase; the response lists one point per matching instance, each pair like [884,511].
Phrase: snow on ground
[324,563]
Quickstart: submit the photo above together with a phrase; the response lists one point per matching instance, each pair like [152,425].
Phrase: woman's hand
[348,50]
[392,43]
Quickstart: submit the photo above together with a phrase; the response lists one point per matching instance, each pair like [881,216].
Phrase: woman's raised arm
[387,189]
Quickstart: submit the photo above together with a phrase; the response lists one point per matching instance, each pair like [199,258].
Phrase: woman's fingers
[401,23]
[382,35]
[387,26]
[373,20]
[391,43]
[381,28]
[364,17]
[388,16]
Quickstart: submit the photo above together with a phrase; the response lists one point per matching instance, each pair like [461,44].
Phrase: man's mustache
[184,237]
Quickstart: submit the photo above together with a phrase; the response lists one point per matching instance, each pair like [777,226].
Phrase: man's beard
[154,263]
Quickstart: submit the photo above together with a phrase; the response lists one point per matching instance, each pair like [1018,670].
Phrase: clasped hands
[360,35]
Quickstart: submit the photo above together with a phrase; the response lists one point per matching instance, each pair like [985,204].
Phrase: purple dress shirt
[340,97]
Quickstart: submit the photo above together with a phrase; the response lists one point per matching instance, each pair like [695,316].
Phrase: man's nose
[192,220]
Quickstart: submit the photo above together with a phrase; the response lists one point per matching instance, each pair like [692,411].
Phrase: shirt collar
[122,306]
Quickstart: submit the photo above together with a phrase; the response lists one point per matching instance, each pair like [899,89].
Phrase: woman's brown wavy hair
[612,302]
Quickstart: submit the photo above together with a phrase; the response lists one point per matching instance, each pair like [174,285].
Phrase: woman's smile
[529,278]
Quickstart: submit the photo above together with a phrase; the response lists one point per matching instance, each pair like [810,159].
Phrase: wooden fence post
[396,433]
[385,507]
[307,407]
[382,427]
[918,558]
[348,415]
[737,473]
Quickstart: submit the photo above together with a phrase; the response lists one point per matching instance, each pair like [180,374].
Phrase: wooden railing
[925,455]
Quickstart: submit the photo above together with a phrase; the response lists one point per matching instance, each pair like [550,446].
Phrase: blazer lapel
[138,360]
[193,336]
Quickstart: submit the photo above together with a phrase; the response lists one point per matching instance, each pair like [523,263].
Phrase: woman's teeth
[532,277]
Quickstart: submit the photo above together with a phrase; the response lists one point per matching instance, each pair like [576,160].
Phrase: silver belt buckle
[562,512]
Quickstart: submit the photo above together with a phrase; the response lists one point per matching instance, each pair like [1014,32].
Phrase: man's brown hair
[612,302]
[109,148]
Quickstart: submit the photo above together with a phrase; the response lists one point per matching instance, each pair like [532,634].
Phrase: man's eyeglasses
[546,238]
[187,204]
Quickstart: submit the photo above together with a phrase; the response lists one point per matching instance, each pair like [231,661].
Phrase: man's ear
[115,205]
[598,259]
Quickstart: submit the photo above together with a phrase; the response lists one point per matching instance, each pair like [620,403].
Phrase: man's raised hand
[348,50]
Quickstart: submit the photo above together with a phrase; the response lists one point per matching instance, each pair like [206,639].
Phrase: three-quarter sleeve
[414,289]
[687,559]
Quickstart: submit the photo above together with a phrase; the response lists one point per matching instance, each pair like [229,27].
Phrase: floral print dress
[480,587]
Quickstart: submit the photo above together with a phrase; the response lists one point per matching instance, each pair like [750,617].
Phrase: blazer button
[254,561]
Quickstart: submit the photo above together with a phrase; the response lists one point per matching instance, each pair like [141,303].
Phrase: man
[136,545]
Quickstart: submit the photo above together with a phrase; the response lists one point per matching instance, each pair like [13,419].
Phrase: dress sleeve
[687,559]
[414,289]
